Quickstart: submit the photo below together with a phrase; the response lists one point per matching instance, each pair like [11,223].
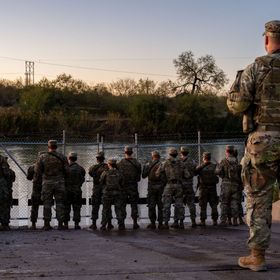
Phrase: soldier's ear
[266,40]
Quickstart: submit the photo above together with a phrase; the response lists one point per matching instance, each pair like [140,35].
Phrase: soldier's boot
[181,224]
[229,222]
[121,226]
[77,226]
[6,227]
[47,225]
[202,223]
[175,224]
[93,225]
[135,224]
[33,226]
[241,222]
[234,222]
[223,223]
[215,223]
[110,226]
[60,226]
[160,225]
[66,225]
[152,225]
[103,227]
[255,261]
[194,223]
[165,225]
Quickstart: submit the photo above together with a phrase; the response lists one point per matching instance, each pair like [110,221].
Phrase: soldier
[230,171]
[188,192]
[112,182]
[35,196]
[207,181]
[131,170]
[174,171]
[52,168]
[95,172]
[256,94]
[155,190]
[74,182]
[7,177]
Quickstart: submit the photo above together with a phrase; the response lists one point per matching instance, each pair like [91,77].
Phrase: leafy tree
[123,87]
[199,76]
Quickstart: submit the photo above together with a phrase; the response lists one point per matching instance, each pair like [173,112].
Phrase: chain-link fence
[23,151]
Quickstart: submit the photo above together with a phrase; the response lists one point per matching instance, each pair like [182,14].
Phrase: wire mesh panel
[23,152]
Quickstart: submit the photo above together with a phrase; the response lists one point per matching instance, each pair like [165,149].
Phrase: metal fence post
[102,143]
[64,141]
[98,141]
[199,146]
[136,143]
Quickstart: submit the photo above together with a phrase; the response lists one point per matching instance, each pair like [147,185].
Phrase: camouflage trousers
[96,200]
[35,202]
[229,199]
[5,202]
[74,199]
[154,199]
[260,168]
[53,188]
[118,200]
[173,191]
[132,198]
[208,194]
[188,199]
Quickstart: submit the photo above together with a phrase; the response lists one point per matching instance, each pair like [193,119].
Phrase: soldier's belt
[268,128]
[174,182]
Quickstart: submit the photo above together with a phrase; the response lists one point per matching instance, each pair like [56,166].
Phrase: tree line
[123,107]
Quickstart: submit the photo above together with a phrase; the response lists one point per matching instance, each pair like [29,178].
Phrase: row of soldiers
[116,183]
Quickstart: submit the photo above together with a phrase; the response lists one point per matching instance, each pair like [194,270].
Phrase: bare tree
[199,76]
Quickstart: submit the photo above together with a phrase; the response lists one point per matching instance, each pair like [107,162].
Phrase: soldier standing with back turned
[257,94]
[74,182]
[131,170]
[95,172]
[155,190]
[52,168]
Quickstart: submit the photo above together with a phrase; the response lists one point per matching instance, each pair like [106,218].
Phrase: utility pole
[29,73]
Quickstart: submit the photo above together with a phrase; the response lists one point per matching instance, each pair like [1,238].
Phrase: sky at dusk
[107,40]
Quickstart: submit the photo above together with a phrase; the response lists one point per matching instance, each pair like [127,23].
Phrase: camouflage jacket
[251,89]
[75,178]
[50,166]
[206,175]
[190,166]
[131,170]
[96,170]
[149,170]
[229,170]
[112,181]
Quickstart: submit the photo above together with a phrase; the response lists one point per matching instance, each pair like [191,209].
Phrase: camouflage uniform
[7,177]
[207,181]
[131,170]
[188,192]
[95,172]
[256,93]
[36,194]
[155,190]
[113,194]
[52,167]
[174,172]
[229,170]
[74,182]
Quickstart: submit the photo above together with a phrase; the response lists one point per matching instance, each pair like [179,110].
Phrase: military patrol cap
[172,151]
[112,161]
[52,143]
[155,153]
[230,148]
[206,155]
[184,150]
[100,155]
[272,29]
[128,149]
[72,155]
